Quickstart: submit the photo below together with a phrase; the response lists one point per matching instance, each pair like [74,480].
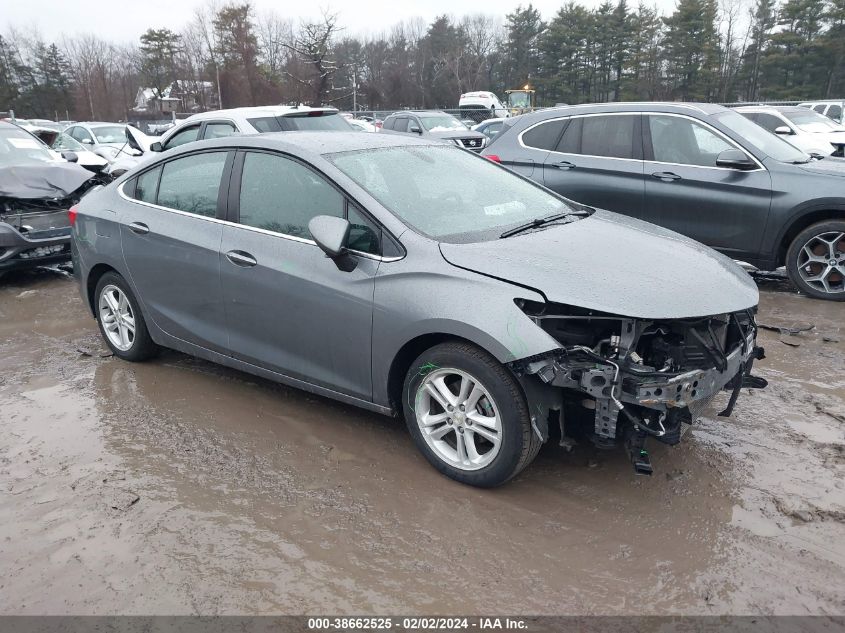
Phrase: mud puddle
[177,486]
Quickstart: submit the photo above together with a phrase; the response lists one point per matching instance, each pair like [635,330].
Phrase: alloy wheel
[458,419]
[117,317]
[821,262]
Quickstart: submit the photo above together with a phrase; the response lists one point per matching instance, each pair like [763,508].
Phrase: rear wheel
[121,322]
[468,416]
[815,260]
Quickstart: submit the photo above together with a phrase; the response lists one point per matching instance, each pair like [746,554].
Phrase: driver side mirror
[783,130]
[69,156]
[415,128]
[330,233]
[156,147]
[87,141]
[735,159]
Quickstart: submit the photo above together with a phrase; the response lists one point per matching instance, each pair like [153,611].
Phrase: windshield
[768,143]
[442,123]
[812,122]
[110,134]
[66,142]
[447,193]
[518,99]
[18,147]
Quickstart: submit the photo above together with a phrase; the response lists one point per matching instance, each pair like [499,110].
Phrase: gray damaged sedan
[417,279]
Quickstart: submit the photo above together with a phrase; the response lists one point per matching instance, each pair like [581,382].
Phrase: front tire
[468,416]
[121,322]
[815,260]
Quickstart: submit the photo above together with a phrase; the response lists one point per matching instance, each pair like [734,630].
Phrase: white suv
[256,120]
[831,108]
[807,130]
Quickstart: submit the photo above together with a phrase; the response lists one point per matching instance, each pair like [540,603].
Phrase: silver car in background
[413,278]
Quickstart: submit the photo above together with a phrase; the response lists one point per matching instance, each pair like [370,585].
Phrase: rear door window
[219,129]
[835,112]
[611,136]
[192,183]
[146,185]
[819,108]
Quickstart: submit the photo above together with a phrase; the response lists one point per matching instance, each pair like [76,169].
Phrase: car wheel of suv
[815,260]
[121,322]
[468,416]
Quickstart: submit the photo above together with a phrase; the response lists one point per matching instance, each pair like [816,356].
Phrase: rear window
[302,121]
[545,135]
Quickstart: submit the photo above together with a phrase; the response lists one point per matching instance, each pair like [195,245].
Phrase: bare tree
[313,46]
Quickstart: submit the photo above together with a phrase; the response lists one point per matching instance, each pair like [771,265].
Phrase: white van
[483,100]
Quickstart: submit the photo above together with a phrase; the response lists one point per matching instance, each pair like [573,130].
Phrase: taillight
[71,214]
[493,157]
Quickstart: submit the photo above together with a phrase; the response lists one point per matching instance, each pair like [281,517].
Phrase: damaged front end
[34,204]
[628,379]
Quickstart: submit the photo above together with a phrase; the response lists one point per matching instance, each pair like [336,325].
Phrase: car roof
[314,143]
[764,107]
[269,110]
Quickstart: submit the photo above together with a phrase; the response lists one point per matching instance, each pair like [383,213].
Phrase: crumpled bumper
[24,249]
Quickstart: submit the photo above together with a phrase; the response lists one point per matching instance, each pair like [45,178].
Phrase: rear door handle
[242,259]
[565,164]
[665,175]
[139,227]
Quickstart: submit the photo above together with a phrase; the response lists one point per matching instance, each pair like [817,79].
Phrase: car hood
[614,264]
[828,166]
[453,134]
[55,179]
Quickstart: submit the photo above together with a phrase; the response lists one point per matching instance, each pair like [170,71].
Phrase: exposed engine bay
[632,379]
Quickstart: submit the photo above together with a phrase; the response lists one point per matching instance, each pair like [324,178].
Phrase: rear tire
[815,261]
[121,322]
[468,416]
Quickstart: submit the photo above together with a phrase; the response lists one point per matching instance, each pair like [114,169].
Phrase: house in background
[183,95]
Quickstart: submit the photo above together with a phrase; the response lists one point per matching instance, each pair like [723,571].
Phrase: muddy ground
[178,487]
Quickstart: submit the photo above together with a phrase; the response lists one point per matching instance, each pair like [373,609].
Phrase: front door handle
[565,164]
[665,176]
[242,259]
[139,227]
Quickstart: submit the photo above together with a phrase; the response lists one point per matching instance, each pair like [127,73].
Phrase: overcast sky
[125,20]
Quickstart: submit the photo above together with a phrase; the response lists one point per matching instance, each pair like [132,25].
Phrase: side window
[769,121]
[81,135]
[611,136]
[388,123]
[835,112]
[363,234]
[682,141]
[219,130]
[493,129]
[183,136]
[570,142]
[545,135]
[400,124]
[819,108]
[281,195]
[146,185]
[192,183]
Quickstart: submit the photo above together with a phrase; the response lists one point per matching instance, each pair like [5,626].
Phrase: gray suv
[698,169]
[436,126]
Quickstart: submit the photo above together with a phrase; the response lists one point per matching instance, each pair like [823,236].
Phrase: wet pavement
[179,487]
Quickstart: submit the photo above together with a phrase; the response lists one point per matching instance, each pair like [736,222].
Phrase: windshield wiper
[538,222]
